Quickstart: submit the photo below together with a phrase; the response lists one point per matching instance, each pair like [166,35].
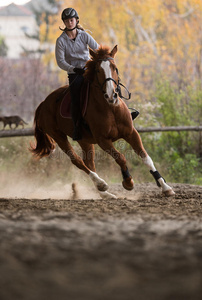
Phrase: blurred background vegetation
[159,60]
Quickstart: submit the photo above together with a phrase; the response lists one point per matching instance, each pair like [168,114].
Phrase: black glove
[79,71]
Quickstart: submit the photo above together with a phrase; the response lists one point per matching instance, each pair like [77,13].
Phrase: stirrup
[134,114]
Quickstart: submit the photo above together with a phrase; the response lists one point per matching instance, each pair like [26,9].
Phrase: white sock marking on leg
[99,182]
[149,163]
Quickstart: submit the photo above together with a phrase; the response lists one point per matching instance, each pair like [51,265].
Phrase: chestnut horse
[108,119]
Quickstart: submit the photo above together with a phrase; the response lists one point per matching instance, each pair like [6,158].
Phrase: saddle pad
[65,107]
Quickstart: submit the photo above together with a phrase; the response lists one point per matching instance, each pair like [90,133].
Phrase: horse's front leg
[108,147]
[135,141]
[160,181]
[88,154]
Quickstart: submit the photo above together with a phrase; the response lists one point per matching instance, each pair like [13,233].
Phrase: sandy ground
[141,246]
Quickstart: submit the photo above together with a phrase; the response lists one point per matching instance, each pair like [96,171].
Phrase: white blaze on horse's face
[110,95]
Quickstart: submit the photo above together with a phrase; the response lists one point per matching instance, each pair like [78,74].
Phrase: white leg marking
[166,189]
[106,195]
[109,84]
[100,184]
[165,186]
[149,163]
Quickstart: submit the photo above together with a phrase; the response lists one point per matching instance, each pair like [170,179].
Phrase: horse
[108,119]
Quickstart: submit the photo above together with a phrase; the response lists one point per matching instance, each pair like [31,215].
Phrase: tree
[156,39]
[45,13]
[3,47]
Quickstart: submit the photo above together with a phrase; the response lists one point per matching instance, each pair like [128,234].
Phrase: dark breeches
[75,83]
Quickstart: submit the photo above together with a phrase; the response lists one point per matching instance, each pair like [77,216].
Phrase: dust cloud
[24,187]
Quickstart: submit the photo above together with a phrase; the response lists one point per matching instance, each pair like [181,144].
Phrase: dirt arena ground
[141,246]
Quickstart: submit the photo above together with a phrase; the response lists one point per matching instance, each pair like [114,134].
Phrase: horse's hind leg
[88,154]
[62,141]
[135,141]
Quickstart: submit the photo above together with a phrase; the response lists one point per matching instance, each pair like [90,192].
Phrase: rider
[72,53]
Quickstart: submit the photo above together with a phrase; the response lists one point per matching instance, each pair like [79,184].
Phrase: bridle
[118,84]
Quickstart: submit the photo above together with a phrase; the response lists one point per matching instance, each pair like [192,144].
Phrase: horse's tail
[44,143]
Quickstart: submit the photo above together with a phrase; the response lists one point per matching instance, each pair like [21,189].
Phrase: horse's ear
[114,50]
[92,53]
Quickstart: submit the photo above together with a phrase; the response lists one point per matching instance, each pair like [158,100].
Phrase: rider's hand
[79,71]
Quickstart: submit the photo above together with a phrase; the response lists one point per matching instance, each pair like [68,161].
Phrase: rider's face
[70,23]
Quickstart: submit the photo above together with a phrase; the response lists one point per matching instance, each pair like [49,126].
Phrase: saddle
[66,101]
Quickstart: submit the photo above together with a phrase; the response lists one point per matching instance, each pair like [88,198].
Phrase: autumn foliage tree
[155,38]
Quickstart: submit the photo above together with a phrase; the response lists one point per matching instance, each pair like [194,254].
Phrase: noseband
[118,85]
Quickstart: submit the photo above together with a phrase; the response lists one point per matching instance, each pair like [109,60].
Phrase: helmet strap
[71,29]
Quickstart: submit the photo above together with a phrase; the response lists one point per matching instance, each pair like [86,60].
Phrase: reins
[118,85]
[120,93]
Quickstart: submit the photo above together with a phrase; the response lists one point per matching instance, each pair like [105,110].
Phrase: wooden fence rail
[30,131]
[170,128]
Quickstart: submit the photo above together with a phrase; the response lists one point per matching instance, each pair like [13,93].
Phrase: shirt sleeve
[91,42]
[60,57]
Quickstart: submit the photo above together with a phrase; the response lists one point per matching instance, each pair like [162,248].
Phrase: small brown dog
[12,120]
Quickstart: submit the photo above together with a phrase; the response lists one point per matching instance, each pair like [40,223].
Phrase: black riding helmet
[69,13]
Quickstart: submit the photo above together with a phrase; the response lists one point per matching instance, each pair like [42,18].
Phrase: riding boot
[77,135]
[134,114]
[76,82]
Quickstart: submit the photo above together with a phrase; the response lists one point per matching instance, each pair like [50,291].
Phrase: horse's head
[105,72]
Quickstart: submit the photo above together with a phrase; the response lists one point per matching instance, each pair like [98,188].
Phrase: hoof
[106,195]
[102,186]
[169,193]
[128,184]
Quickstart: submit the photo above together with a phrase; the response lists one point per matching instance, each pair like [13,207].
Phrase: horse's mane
[101,53]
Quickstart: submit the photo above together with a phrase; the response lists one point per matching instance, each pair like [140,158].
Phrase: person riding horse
[108,119]
[72,53]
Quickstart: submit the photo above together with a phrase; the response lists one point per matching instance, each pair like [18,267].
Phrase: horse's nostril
[106,96]
[115,95]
